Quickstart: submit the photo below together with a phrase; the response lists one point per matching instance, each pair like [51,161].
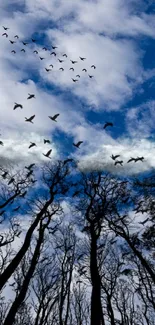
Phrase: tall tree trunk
[20,298]
[17,259]
[96,305]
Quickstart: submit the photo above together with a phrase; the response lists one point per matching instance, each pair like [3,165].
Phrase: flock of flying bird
[54,118]
[52,53]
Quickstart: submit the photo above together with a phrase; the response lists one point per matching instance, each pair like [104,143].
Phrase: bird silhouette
[78,75]
[77,145]
[90,76]
[29,119]
[47,141]
[13,51]
[5,34]
[74,80]
[120,162]
[84,70]
[29,173]
[62,69]
[33,181]
[30,96]
[143,222]
[23,50]
[48,154]
[73,62]
[53,118]
[65,55]
[16,36]
[32,145]
[48,69]
[11,181]
[25,43]
[5,28]
[53,53]
[130,160]
[30,166]
[12,42]
[41,58]
[45,48]
[54,47]
[33,40]
[60,60]
[71,69]
[16,209]
[139,159]
[107,124]
[82,59]
[51,65]
[93,66]
[115,157]
[17,105]
[4,174]
[1,143]
[35,52]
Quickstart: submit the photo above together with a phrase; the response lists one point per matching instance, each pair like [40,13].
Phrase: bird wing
[48,152]
[32,117]
[55,116]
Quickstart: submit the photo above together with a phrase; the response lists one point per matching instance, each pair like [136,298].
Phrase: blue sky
[115,35]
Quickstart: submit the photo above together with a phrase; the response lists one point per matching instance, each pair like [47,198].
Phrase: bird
[29,173]
[16,36]
[115,157]
[93,66]
[23,50]
[35,52]
[17,105]
[45,48]
[32,145]
[30,96]
[5,34]
[74,80]
[47,141]
[16,209]
[30,166]
[60,60]
[120,162]
[82,59]
[5,28]
[77,145]
[61,69]
[24,43]
[71,69]
[73,62]
[33,40]
[78,75]
[84,70]
[12,42]
[48,154]
[67,160]
[51,65]
[11,181]
[90,76]
[1,143]
[4,174]
[54,47]
[131,159]
[107,124]
[48,69]
[65,55]
[53,118]
[139,159]
[33,181]
[29,119]
[53,53]
[13,51]
[41,58]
